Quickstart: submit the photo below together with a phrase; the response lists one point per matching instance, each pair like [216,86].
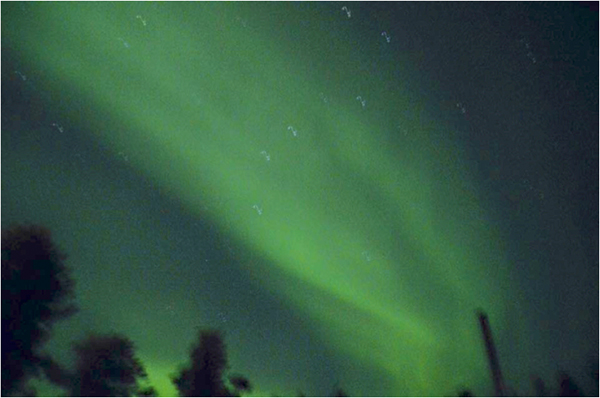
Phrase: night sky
[336,186]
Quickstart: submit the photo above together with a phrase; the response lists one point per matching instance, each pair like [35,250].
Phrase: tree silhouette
[240,384]
[567,387]
[338,391]
[36,292]
[107,366]
[205,376]
[539,386]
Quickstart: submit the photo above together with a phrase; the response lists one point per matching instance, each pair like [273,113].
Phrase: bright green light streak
[206,104]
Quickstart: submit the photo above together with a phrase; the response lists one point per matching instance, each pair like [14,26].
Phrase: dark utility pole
[491,352]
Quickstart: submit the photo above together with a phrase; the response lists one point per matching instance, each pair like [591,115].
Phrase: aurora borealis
[338,204]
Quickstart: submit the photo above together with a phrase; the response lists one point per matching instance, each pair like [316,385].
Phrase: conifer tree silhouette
[240,384]
[567,387]
[205,375]
[37,291]
[204,378]
[107,366]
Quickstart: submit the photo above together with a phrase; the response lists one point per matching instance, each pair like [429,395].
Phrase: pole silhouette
[491,352]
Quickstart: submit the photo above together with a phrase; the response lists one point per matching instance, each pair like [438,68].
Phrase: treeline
[38,291]
[565,387]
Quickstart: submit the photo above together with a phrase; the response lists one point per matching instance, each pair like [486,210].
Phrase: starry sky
[336,186]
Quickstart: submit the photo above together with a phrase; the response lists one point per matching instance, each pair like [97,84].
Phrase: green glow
[349,225]
[159,372]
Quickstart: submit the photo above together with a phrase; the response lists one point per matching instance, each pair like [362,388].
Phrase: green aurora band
[352,219]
